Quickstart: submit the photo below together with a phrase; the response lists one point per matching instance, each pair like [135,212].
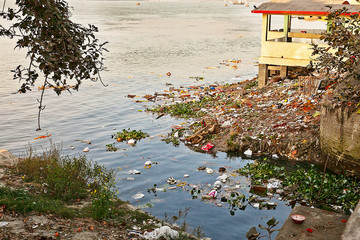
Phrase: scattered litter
[207,147]
[201,168]
[258,189]
[72,147]
[209,170]
[248,153]
[138,196]
[42,137]
[3,224]
[213,193]
[148,163]
[130,178]
[131,142]
[222,178]
[162,232]
[181,184]
[84,141]
[206,197]
[86,149]
[222,169]
[134,171]
[171,181]
[273,183]
[217,185]
[186,175]
[275,156]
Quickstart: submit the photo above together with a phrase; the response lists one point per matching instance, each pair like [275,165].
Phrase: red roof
[302,8]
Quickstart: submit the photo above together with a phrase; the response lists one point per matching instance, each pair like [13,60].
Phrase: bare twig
[3,8]
[41,107]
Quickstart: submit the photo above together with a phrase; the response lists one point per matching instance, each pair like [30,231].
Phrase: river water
[188,39]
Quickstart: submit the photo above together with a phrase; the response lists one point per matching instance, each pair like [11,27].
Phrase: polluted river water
[188,39]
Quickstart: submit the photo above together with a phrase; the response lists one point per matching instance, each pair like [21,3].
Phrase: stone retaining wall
[340,137]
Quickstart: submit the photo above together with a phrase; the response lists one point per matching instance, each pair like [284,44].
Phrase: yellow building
[289,28]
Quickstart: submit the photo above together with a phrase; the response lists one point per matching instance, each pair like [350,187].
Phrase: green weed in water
[111,147]
[129,134]
[311,184]
[186,109]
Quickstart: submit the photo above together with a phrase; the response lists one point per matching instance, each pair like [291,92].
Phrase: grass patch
[65,178]
[22,201]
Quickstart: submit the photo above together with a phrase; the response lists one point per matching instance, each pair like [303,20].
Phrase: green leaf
[271,222]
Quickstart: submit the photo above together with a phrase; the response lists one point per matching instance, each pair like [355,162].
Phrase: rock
[7,159]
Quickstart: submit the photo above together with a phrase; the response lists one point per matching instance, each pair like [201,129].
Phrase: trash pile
[281,119]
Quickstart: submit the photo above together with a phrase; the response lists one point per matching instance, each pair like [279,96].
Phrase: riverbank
[31,210]
[279,120]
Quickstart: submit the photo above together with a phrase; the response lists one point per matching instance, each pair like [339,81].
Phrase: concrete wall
[340,137]
[352,229]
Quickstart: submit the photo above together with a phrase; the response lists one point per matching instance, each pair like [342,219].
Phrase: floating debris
[138,196]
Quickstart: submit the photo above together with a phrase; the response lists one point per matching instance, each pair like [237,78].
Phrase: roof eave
[311,13]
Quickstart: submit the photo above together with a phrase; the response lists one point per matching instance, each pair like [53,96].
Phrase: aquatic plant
[174,136]
[252,234]
[129,134]
[111,147]
[323,189]
[185,109]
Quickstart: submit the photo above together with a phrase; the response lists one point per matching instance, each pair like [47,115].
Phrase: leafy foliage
[343,39]
[58,48]
[340,59]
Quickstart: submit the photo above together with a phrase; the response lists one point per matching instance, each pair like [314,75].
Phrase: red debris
[207,147]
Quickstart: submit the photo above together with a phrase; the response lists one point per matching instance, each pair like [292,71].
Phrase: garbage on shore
[280,120]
